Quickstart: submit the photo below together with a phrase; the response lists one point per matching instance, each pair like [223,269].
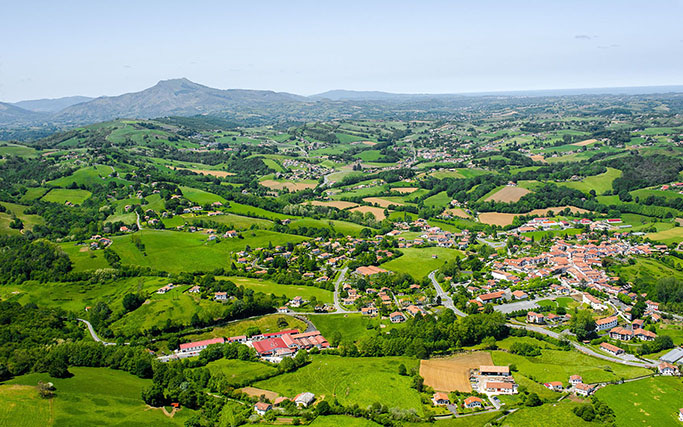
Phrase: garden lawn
[649,402]
[558,365]
[93,396]
[361,381]
[291,291]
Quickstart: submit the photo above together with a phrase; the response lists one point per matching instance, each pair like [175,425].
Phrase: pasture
[23,407]
[90,175]
[599,183]
[453,373]
[547,415]
[162,249]
[648,402]
[267,323]
[291,291]
[93,396]
[200,197]
[29,221]
[240,372]
[351,381]
[63,195]
[419,262]
[557,365]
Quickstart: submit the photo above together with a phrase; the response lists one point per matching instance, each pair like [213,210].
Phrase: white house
[262,407]
[473,402]
[575,379]
[666,368]
[606,323]
[584,389]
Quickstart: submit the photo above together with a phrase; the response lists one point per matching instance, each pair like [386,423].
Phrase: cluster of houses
[273,346]
[493,380]
[302,400]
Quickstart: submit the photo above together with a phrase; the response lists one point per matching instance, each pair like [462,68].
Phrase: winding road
[93,334]
[337,305]
[446,300]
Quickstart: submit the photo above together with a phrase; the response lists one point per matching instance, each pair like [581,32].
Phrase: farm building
[199,345]
[613,349]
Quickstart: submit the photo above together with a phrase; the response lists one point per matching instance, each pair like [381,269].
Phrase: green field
[239,372]
[546,415]
[672,235]
[33,193]
[63,195]
[359,381]
[9,149]
[599,183]
[200,197]
[265,324]
[557,365]
[93,396]
[237,222]
[440,199]
[29,221]
[341,421]
[175,251]
[649,402]
[343,227]
[175,305]
[291,291]
[23,407]
[418,262]
[91,175]
[76,296]
[647,270]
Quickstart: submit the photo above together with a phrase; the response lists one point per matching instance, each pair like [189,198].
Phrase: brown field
[538,158]
[384,203]
[404,190]
[457,212]
[585,142]
[508,194]
[257,392]
[219,174]
[370,143]
[453,373]
[495,218]
[503,219]
[291,186]
[339,204]
[377,212]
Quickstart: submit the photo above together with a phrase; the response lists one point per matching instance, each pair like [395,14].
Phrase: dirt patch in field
[339,204]
[256,392]
[508,194]
[679,221]
[291,186]
[84,249]
[585,142]
[457,212]
[404,190]
[384,203]
[556,209]
[377,212]
[370,143]
[453,373]
[538,158]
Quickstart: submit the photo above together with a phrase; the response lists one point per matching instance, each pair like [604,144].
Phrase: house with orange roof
[473,402]
[440,399]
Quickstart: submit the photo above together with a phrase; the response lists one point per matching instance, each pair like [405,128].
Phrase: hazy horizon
[93,50]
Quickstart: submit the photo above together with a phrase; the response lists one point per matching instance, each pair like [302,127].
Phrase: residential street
[446,300]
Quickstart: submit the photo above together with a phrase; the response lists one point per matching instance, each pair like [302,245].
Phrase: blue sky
[53,49]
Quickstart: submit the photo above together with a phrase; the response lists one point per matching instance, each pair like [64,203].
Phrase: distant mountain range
[181,97]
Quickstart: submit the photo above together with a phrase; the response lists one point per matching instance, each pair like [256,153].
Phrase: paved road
[494,245]
[523,305]
[446,300]
[583,349]
[93,334]
[337,305]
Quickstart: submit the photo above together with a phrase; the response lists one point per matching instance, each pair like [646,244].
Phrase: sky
[51,49]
